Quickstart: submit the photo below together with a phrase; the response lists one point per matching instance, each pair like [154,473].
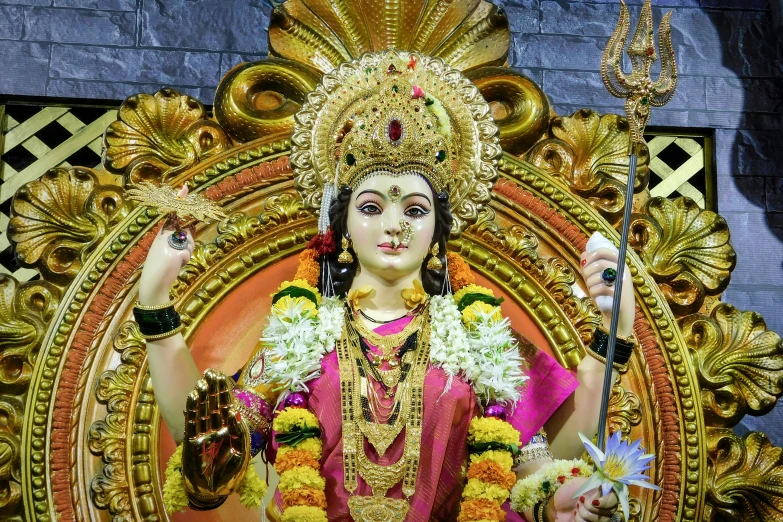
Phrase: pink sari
[444,438]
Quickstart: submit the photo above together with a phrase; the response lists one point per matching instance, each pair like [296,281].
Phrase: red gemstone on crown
[395,130]
[650,51]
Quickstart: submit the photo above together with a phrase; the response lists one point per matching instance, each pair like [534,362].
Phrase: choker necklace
[378,321]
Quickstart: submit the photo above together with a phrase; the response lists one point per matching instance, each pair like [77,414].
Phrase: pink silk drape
[444,438]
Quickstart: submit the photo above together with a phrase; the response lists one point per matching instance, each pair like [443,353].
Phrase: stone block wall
[731,80]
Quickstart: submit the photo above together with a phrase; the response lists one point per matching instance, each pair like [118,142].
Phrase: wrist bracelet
[158,323]
[622,368]
[154,307]
[164,335]
[539,512]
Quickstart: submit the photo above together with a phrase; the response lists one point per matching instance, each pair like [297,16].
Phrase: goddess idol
[387,385]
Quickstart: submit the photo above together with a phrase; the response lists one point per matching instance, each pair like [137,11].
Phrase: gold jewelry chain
[379,477]
[387,343]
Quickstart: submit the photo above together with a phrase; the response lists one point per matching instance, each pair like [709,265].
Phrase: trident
[640,95]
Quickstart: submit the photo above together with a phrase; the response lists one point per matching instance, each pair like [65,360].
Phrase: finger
[224,401]
[606,503]
[191,413]
[586,515]
[214,410]
[606,254]
[598,266]
[203,406]
[601,290]
[183,191]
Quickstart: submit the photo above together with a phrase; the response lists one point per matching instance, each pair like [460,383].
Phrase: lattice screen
[36,138]
[681,164]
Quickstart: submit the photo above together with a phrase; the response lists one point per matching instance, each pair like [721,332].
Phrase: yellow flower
[281,307]
[312,445]
[475,488]
[355,294]
[472,289]
[252,489]
[471,313]
[491,429]
[304,514]
[291,418]
[503,458]
[414,296]
[174,497]
[301,477]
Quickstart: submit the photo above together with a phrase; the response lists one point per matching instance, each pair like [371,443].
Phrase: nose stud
[407,232]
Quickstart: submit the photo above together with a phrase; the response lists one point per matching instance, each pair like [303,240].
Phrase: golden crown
[396,111]
[397,131]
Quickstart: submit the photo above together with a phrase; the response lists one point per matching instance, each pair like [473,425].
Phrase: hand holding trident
[640,95]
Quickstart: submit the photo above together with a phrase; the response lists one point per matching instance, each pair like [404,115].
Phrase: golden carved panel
[75,397]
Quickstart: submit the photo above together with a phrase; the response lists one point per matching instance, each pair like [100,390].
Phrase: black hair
[342,274]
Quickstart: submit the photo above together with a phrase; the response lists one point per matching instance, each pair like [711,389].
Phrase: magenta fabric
[443,457]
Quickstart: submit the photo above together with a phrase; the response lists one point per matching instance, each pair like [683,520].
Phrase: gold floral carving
[158,136]
[25,310]
[60,218]
[744,477]
[589,153]
[553,274]
[325,33]
[686,249]
[259,99]
[234,232]
[108,438]
[739,363]
[519,106]
[625,410]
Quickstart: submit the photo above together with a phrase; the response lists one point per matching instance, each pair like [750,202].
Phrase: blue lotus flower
[624,464]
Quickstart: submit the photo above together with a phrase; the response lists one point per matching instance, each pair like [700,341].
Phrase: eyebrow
[382,195]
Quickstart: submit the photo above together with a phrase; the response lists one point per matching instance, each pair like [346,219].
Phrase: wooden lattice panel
[37,138]
[681,165]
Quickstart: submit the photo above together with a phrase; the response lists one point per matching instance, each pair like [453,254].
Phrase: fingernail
[582,500]
[584,262]
[596,502]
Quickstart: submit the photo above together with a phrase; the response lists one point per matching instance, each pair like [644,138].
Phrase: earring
[434,263]
[345,257]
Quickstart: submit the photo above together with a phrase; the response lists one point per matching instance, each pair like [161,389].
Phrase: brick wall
[730,64]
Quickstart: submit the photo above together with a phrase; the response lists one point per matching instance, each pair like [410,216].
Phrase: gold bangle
[622,368]
[164,335]
[155,307]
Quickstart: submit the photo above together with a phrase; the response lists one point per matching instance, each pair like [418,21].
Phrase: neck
[386,302]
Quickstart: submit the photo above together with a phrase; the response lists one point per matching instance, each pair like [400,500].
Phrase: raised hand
[164,262]
[593,266]
[216,449]
[590,507]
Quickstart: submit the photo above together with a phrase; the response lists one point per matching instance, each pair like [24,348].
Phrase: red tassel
[323,243]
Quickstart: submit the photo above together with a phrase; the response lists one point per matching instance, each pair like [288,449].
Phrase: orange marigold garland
[491,443]
[301,486]
[459,271]
[309,267]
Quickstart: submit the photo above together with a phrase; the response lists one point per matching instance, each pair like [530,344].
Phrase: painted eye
[370,208]
[416,211]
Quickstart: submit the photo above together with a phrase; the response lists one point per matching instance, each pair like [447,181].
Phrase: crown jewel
[397,130]
[398,112]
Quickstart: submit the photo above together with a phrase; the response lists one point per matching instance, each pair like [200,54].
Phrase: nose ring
[407,232]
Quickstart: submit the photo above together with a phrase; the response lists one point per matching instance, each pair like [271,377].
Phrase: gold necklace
[387,343]
[380,478]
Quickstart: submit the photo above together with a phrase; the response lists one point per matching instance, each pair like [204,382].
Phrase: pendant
[380,436]
[378,509]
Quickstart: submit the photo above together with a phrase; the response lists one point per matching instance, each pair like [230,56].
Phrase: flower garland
[303,327]
[491,443]
[298,461]
[470,338]
[251,490]
[542,484]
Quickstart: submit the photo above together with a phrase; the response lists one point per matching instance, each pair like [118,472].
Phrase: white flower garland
[485,355]
[298,340]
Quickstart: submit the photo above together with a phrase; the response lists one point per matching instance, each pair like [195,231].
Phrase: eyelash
[363,208]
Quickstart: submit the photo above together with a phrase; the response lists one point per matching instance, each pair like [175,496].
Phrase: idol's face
[391,221]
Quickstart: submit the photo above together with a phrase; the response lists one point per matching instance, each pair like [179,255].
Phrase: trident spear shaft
[640,94]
